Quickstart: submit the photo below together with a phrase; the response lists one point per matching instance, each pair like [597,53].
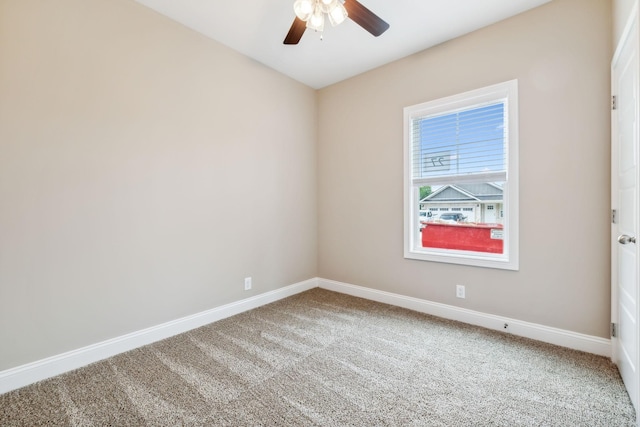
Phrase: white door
[624,289]
[490,214]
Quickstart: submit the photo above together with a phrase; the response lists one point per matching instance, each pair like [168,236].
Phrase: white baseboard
[561,337]
[21,376]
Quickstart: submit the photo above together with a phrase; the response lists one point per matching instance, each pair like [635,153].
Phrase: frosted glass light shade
[316,22]
[327,5]
[338,14]
[303,9]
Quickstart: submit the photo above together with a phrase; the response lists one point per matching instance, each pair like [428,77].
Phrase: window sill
[474,259]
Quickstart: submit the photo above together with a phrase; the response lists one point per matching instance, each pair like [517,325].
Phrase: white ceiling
[257,28]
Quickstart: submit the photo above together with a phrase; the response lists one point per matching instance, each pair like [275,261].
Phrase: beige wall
[560,53]
[144,172]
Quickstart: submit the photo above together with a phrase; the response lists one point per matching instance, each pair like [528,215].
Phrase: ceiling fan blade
[365,18]
[296,31]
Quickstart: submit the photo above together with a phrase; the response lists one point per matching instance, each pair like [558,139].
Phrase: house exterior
[478,202]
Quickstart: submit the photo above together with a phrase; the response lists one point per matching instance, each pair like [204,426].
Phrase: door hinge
[614,216]
[614,102]
[614,330]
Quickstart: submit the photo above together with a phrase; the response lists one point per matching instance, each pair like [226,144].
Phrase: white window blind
[468,143]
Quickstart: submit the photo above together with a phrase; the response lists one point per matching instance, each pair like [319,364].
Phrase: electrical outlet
[247,283]
[460,291]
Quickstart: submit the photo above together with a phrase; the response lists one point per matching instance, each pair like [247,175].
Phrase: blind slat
[467,142]
[461,179]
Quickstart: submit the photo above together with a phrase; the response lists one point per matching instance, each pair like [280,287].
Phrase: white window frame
[509,259]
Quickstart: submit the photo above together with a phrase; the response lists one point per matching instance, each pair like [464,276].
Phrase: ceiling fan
[310,14]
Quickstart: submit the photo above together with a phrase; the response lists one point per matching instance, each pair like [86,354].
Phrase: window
[464,149]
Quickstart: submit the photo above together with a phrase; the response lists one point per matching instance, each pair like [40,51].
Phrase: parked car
[425,216]
[452,216]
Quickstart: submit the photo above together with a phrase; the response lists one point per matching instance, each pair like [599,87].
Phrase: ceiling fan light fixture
[312,12]
[304,9]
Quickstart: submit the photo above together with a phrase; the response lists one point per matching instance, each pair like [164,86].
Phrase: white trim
[561,337]
[30,373]
[21,376]
[626,31]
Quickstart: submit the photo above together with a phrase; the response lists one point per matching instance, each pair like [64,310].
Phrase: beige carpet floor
[325,359]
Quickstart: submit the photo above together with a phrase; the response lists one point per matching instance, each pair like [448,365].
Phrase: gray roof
[466,192]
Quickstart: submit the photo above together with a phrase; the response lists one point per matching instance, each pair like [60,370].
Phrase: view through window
[461,178]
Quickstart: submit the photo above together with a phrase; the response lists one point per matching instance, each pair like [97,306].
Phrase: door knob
[624,239]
